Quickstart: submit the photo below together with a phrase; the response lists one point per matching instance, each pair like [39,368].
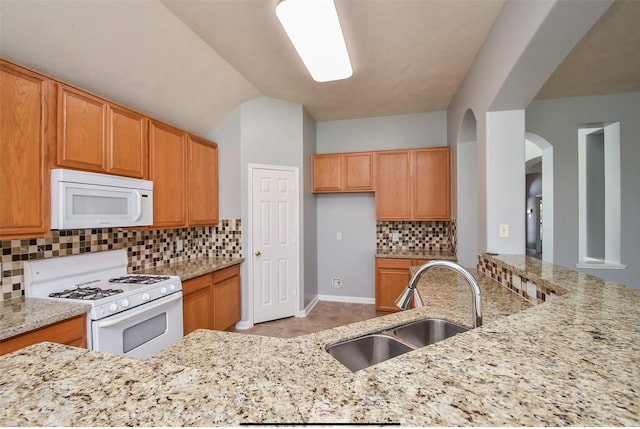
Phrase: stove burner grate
[139,279]
[88,293]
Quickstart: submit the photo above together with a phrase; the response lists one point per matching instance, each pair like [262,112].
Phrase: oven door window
[143,332]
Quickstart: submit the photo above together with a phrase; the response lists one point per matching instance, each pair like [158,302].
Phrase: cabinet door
[393,174]
[327,173]
[82,136]
[127,143]
[71,332]
[197,304]
[358,171]
[392,276]
[167,170]
[25,119]
[203,182]
[226,297]
[431,184]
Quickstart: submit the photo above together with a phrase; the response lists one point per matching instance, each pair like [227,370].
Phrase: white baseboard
[351,299]
[308,308]
[244,324]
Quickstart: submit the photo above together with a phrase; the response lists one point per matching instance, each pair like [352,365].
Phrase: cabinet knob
[258,253]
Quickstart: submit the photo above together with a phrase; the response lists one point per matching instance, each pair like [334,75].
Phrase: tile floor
[325,315]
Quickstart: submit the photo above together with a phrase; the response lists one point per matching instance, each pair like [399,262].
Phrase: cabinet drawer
[195,284]
[394,263]
[225,273]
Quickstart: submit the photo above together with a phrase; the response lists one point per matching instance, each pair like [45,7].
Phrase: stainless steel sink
[427,331]
[369,350]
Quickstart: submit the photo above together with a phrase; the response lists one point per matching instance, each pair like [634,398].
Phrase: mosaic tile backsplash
[536,292]
[416,235]
[145,248]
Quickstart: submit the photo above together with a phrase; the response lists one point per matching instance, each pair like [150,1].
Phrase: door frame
[251,168]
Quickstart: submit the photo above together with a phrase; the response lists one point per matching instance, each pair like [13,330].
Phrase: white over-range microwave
[92,200]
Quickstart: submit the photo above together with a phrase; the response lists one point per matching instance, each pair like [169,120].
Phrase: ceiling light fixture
[314,29]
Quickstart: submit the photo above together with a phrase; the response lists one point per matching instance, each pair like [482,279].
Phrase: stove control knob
[172,287]
[113,306]
[145,297]
[125,303]
[163,290]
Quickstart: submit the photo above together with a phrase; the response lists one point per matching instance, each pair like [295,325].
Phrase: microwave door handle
[139,310]
[138,207]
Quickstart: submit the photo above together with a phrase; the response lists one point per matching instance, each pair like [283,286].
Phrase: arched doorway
[539,197]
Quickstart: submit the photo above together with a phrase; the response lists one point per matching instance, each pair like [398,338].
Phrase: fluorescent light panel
[314,29]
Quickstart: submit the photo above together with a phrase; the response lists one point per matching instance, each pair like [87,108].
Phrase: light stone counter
[574,360]
[21,315]
[193,267]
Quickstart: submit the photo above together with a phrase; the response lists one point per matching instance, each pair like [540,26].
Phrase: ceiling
[605,61]
[408,56]
[191,62]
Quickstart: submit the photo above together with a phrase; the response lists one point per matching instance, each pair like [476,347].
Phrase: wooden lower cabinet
[197,303]
[226,298]
[72,332]
[392,276]
[212,301]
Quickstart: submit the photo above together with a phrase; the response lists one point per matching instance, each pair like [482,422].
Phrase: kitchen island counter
[573,360]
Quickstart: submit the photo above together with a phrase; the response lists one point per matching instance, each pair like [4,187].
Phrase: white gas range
[135,315]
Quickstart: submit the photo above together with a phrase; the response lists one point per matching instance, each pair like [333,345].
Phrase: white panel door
[274,244]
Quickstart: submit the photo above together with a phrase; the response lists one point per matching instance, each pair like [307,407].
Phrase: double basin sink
[363,352]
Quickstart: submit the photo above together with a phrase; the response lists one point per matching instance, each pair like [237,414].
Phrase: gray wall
[353,215]
[309,221]
[557,121]
[273,132]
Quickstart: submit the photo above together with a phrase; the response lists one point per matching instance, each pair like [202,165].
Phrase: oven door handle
[139,310]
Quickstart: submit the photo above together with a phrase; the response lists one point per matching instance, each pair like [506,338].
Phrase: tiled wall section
[532,291]
[416,235]
[145,248]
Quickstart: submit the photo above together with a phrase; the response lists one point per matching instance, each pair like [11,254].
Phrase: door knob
[258,253]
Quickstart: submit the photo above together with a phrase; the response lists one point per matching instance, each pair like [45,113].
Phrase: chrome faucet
[404,300]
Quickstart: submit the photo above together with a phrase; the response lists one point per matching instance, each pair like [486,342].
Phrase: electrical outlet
[504,230]
[395,236]
[338,236]
[179,245]
[336,282]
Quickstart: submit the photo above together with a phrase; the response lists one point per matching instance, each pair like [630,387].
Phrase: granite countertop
[192,267]
[415,254]
[573,360]
[21,315]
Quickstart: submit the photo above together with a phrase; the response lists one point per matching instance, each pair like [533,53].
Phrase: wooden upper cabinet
[167,170]
[431,184]
[98,136]
[82,131]
[327,174]
[343,172]
[27,123]
[357,171]
[203,181]
[413,184]
[393,185]
[128,144]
